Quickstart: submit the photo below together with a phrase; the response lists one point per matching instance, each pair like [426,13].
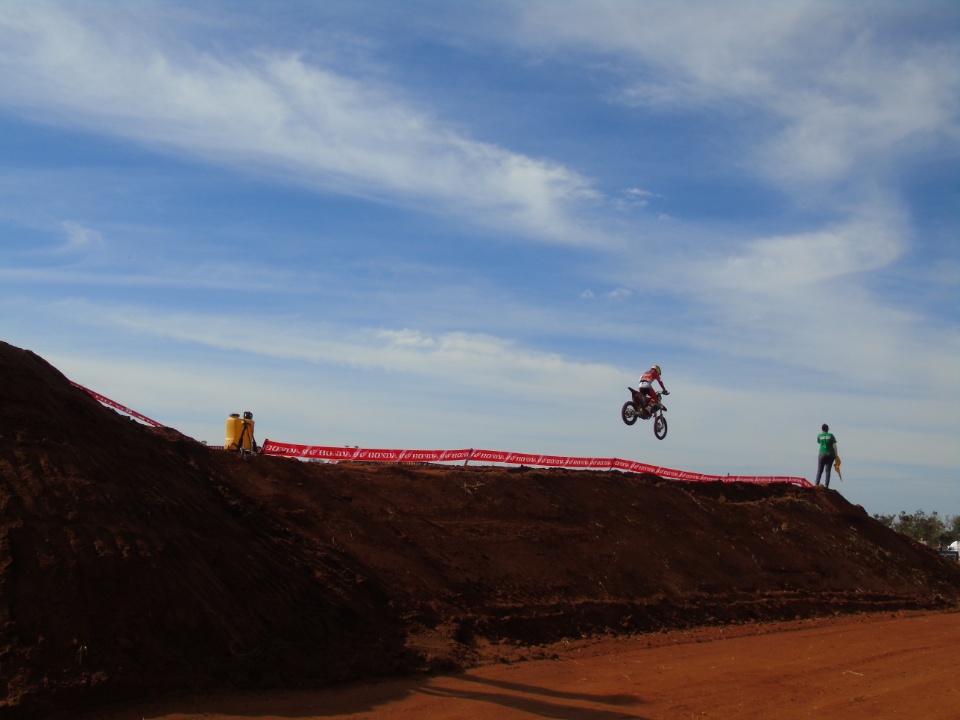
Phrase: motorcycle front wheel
[660,427]
[629,413]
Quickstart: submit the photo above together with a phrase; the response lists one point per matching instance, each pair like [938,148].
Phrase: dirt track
[136,562]
[856,668]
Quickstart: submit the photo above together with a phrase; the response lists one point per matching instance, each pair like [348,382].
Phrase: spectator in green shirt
[828,453]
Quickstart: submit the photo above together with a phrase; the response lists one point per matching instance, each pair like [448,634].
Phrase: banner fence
[468,455]
[117,406]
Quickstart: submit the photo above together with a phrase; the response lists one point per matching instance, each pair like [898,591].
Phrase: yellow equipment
[239,432]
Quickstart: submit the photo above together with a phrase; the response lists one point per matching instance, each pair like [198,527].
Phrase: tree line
[930,529]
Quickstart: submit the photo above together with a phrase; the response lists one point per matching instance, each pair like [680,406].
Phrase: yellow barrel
[234,428]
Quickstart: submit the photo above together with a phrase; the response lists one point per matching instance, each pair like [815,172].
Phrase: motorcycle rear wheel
[660,427]
[629,412]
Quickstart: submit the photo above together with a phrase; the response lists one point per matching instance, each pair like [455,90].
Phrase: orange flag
[836,466]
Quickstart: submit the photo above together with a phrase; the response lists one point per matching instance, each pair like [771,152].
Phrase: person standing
[828,453]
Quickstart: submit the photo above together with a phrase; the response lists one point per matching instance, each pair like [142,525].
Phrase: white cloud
[81,239]
[225,275]
[635,198]
[821,82]
[869,105]
[280,113]
[455,359]
[820,327]
[781,264]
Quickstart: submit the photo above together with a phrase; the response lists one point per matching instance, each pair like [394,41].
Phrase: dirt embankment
[136,561]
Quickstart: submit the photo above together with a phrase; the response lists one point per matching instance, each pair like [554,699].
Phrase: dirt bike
[642,407]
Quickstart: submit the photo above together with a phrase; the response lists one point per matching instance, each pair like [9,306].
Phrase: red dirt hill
[136,561]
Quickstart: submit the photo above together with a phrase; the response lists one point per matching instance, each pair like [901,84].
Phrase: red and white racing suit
[646,384]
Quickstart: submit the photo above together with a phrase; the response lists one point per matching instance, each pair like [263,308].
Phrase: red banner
[117,406]
[321,452]
[337,454]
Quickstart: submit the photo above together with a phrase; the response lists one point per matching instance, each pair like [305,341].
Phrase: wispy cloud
[450,359]
[825,93]
[81,239]
[276,111]
[781,264]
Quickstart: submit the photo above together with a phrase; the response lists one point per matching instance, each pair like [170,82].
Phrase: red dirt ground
[871,667]
[137,564]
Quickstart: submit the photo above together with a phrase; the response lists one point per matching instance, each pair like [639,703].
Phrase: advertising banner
[465,456]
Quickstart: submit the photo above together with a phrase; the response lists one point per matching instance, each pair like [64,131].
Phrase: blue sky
[472,224]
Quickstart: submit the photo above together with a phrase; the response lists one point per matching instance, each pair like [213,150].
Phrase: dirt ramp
[136,561]
[487,554]
[128,565]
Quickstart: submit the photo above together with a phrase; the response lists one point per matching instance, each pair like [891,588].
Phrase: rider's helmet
[657,368]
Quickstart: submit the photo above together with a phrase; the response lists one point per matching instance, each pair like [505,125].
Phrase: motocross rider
[646,384]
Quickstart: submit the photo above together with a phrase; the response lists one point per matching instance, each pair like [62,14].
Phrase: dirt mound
[135,560]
